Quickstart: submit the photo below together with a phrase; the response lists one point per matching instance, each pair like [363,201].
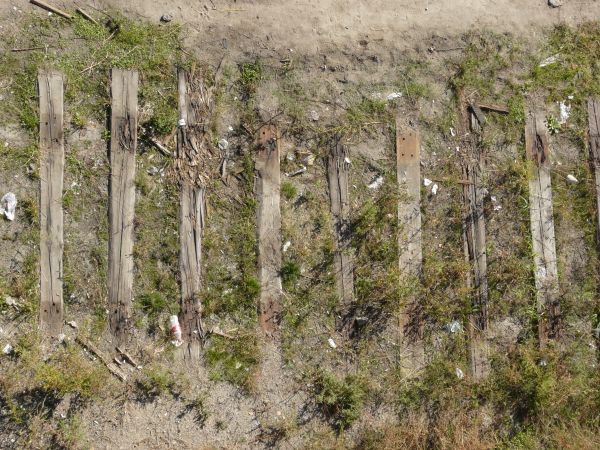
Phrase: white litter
[181,123]
[454,326]
[72,324]
[459,373]
[572,178]
[286,246]
[223,144]
[497,207]
[10,301]
[347,160]
[230,128]
[550,60]
[331,343]
[427,182]
[175,331]
[300,171]
[8,204]
[394,95]
[565,112]
[7,350]
[434,189]
[452,132]
[376,183]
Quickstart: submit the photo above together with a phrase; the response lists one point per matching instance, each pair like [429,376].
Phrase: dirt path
[314,26]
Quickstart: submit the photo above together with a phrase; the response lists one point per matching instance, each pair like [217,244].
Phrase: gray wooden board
[123,145]
[338,174]
[475,245]
[542,225]
[410,253]
[191,219]
[51,214]
[268,227]
[594,138]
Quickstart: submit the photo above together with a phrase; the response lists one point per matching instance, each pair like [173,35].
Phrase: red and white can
[175,331]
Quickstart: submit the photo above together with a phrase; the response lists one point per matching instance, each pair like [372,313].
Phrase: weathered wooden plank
[52,158]
[410,253]
[269,227]
[190,166]
[408,149]
[542,226]
[475,242]
[338,174]
[594,138]
[123,144]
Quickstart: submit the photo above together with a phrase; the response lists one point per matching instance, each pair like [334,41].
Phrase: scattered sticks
[51,9]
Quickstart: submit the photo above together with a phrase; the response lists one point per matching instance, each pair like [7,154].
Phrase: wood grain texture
[474,240]
[191,144]
[123,145]
[52,158]
[594,140]
[542,226]
[269,227]
[338,174]
[410,253]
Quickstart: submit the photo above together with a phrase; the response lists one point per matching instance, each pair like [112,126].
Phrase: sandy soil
[313,31]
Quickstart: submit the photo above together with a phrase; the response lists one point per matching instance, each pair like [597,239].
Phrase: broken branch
[52,9]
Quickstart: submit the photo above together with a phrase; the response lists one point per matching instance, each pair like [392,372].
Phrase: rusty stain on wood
[123,145]
[338,175]
[542,226]
[410,253]
[474,240]
[269,227]
[52,158]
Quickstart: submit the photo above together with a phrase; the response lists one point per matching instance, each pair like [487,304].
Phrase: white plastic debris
[434,189]
[300,171]
[223,144]
[72,324]
[572,179]
[459,373]
[347,160]
[10,301]
[175,331]
[238,365]
[230,128]
[550,60]
[427,182]
[7,350]
[286,246]
[565,112]
[331,343]
[394,95]
[497,207]
[452,132]
[181,123]
[8,205]
[376,183]
[454,326]
[290,156]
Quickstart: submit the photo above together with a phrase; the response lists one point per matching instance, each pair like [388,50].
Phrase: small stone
[331,343]
[555,3]
[166,18]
